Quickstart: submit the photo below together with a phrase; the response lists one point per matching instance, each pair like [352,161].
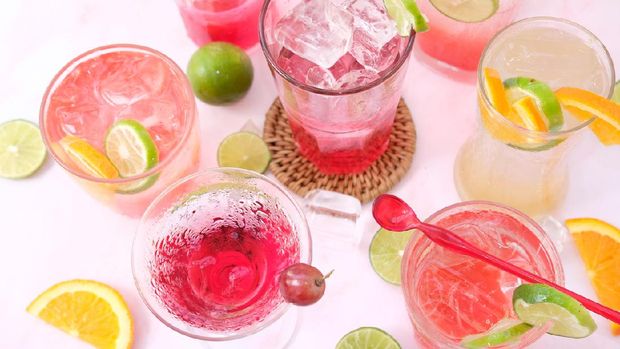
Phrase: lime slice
[132,151]
[504,332]
[405,13]
[367,338]
[468,11]
[616,96]
[518,87]
[22,151]
[244,150]
[536,304]
[386,253]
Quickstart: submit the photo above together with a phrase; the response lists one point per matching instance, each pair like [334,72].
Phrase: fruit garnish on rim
[468,11]
[537,304]
[585,105]
[89,310]
[598,243]
[406,15]
[302,284]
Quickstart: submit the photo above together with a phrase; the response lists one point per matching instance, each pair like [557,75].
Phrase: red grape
[302,284]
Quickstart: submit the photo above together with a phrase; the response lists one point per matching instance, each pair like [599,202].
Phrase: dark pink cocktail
[210,249]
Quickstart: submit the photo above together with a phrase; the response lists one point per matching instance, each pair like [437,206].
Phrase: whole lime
[220,73]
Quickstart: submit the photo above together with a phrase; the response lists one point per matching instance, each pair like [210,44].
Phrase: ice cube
[344,65]
[316,30]
[374,32]
[333,217]
[357,78]
[305,71]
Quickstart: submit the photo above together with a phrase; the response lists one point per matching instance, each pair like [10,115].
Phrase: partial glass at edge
[506,163]
[340,132]
[211,202]
[233,21]
[450,296]
[169,114]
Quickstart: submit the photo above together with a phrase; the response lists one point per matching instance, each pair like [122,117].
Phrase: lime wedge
[536,304]
[131,149]
[519,87]
[367,338]
[405,13]
[468,11]
[504,332]
[244,150]
[616,96]
[386,253]
[22,151]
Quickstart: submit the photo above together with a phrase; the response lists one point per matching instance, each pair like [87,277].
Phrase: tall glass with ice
[339,67]
[108,84]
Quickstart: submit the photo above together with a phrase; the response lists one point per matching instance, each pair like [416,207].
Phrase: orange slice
[89,310]
[607,134]
[529,114]
[495,90]
[590,102]
[87,158]
[598,243]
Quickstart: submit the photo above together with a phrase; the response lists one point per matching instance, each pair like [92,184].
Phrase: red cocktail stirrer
[394,214]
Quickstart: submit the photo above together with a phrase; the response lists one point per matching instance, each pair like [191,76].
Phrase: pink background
[52,230]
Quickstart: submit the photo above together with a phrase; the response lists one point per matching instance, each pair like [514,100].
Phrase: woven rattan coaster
[301,176]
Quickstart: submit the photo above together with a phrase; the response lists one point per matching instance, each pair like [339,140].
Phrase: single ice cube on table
[374,33]
[316,30]
[333,217]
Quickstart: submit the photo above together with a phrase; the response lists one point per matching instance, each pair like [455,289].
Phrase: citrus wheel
[89,310]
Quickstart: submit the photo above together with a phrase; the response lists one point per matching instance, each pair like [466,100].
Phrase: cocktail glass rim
[478,205]
[257,326]
[540,135]
[274,66]
[190,118]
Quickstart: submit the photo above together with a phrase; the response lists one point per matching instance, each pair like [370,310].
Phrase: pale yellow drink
[506,163]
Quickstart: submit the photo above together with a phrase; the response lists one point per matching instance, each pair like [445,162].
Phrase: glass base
[278,335]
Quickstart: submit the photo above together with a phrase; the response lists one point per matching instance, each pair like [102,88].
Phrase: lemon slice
[386,253]
[22,151]
[537,304]
[367,338]
[504,332]
[87,158]
[468,11]
[244,150]
[89,310]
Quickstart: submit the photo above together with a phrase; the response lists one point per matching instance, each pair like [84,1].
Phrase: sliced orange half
[89,310]
[590,102]
[607,134]
[598,243]
[495,90]
[529,114]
[87,158]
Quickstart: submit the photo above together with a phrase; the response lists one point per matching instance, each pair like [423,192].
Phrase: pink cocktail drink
[339,69]
[460,44]
[112,83]
[210,250]
[450,296]
[233,21]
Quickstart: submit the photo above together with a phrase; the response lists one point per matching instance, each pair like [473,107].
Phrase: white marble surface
[52,230]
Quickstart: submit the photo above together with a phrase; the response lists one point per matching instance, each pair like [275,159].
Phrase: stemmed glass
[208,253]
